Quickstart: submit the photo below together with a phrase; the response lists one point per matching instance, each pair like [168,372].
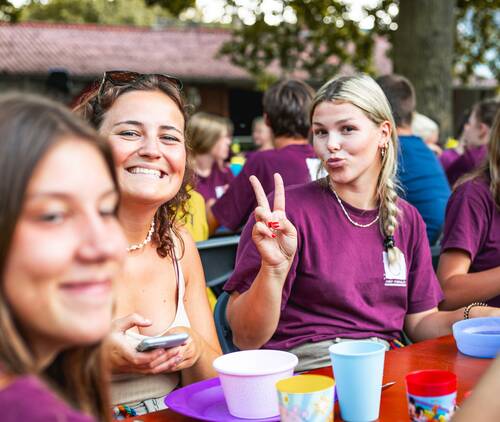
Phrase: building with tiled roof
[61,59]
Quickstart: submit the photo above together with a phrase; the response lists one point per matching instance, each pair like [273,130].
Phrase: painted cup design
[306,398]
[432,395]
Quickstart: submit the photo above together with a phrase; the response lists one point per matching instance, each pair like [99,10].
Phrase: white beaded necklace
[371,223]
[136,246]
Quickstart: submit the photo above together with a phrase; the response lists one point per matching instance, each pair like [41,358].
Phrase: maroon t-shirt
[338,285]
[468,161]
[448,157]
[296,164]
[28,399]
[472,224]
[214,185]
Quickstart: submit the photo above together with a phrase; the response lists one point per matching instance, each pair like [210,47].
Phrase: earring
[382,151]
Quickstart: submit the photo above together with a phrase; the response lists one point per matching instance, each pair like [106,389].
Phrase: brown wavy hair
[30,127]
[93,107]
[489,170]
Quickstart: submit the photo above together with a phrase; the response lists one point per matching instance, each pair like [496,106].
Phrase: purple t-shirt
[472,224]
[28,399]
[296,164]
[214,185]
[448,157]
[467,162]
[338,285]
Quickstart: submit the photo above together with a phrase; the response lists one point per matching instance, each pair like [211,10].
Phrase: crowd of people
[338,209]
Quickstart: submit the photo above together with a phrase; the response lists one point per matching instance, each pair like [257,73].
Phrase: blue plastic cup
[358,367]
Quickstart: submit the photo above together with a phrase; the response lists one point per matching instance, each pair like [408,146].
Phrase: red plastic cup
[432,395]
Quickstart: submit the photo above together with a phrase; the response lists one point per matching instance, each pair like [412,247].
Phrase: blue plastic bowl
[478,337]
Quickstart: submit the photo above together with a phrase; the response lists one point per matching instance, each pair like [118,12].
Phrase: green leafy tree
[8,12]
[175,7]
[322,29]
[313,38]
[317,38]
[111,12]
[477,38]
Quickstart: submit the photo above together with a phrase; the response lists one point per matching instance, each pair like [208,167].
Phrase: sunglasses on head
[124,77]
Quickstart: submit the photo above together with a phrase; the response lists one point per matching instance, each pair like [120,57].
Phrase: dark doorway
[244,106]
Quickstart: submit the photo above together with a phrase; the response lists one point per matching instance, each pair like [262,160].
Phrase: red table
[439,353]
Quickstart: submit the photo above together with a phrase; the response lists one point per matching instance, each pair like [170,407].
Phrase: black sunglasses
[124,77]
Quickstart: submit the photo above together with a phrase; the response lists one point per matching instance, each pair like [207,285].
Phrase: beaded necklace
[354,223]
[136,246]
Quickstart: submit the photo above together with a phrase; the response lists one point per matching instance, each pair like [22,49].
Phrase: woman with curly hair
[163,289]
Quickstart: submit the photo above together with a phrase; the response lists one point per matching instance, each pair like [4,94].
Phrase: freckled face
[66,250]
[348,142]
[146,133]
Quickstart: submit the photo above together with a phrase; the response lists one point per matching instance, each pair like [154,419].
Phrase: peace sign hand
[273,234]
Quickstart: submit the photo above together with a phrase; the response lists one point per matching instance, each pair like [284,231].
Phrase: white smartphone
[164,342]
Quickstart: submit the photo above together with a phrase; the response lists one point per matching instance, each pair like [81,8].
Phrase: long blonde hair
[490,169]
[363,92]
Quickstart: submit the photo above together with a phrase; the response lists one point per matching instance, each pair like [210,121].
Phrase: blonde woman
[469,266]
[210,139]
[348,258]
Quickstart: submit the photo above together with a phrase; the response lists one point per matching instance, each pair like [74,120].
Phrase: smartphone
[164,342]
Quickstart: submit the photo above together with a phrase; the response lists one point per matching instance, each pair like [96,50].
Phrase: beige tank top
[129,388]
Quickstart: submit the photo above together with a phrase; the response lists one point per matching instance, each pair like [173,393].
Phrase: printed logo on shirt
[394,274]
[316,170]
[219,191]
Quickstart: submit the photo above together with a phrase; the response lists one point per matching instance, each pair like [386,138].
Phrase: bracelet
[469,307]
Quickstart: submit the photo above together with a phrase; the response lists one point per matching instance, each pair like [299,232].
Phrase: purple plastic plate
[205,400]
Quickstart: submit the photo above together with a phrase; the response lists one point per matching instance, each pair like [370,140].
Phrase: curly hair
[93,107]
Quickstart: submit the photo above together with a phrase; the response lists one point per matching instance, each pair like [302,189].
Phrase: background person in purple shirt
[210,139]
[262,135]
[286,106]
[352,260]
[61,248]
[476,134]
[469,266]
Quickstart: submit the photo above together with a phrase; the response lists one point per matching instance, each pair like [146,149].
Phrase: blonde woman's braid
[388,219]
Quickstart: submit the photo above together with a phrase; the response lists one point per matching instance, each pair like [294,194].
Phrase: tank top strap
[181,318]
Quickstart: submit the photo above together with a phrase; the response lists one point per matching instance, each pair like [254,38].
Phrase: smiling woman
[163,289]
[61,248]
[348,259]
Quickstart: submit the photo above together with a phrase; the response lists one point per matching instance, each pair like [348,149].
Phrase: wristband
[469,307]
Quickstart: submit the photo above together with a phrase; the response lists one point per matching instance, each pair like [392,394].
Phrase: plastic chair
[222,326]
[218,257]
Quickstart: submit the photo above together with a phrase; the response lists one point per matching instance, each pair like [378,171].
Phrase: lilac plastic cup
[249,378]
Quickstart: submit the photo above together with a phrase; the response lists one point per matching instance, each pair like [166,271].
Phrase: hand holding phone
[163,342]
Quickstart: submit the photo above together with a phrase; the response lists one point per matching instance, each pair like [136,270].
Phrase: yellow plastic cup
[306,398]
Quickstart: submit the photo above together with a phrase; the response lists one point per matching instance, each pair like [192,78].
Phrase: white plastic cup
[249,378]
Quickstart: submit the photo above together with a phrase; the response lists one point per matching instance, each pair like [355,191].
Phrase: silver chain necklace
[371,223]
[136,246]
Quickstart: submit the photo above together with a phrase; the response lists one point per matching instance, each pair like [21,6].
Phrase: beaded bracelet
[469,307]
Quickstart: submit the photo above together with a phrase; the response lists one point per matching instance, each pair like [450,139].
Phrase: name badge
[219,191]
[395,273]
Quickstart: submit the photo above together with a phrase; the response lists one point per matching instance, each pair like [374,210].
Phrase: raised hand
[274,236]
